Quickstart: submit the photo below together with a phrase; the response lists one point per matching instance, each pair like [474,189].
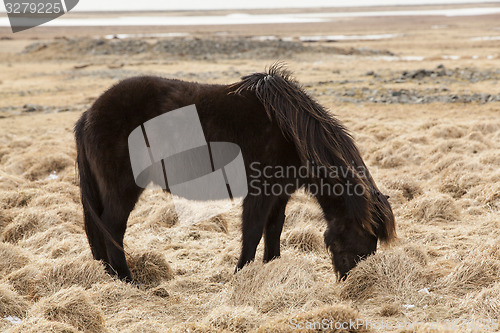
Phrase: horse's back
[137,99]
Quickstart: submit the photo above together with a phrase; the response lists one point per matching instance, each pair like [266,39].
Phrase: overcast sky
[92,5]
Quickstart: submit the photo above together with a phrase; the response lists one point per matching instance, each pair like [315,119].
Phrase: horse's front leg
[273,228]
[255,212]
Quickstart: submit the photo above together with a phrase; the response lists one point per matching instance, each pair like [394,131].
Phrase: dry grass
[150,268]
[154,211]
[16,198]
[35,325]
[392,275]
[11,303]
[473,274]
[314,321]
[284,283]
[305,238]
[484,304]
[27,223]
[234,318]
[439,207]
[71,306]
[13,258]
[438,162]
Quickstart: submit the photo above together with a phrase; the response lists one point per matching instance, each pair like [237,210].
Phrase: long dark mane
[321,138]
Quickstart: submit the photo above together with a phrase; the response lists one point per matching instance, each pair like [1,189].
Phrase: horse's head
[350,241]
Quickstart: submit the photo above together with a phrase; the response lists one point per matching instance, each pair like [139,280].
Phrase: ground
[423,107]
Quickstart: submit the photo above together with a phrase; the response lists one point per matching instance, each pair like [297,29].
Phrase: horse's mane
[320,138]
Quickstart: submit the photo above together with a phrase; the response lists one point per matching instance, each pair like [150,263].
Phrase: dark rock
[32,108]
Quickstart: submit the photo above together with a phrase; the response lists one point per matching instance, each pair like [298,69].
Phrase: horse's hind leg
[273,228]
[255,212]
[117,264]
[114,217]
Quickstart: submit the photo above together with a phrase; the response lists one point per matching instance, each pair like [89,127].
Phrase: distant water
[241,18]
[133,5]
[232,4]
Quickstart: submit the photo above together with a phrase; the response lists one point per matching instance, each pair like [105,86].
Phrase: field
[423,106]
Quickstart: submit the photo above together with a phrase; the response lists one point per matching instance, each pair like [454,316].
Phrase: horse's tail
[318,137]
[89,191]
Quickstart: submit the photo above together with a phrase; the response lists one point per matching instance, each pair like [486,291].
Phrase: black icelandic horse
[273,121]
